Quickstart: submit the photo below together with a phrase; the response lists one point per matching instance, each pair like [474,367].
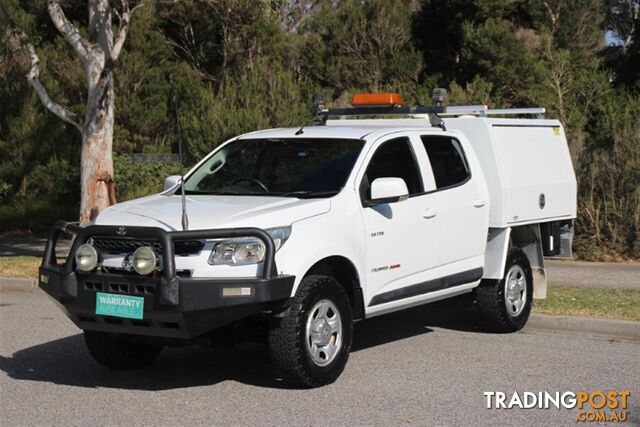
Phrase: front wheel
[505,305]
[118,352]
[310,345]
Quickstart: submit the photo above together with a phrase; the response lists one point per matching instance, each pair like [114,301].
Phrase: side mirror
[387,190]
[171,182]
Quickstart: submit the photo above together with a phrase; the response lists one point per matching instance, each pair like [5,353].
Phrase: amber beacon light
[375,99]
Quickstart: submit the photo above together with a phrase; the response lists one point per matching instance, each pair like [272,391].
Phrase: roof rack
[381,110]
[321,115]
[391,104]
[453,110]
[483,110]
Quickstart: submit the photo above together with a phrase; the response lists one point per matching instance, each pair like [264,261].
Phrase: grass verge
[591,302]
[19,266]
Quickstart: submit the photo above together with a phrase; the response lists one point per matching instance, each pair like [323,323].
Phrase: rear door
[403,237]
[463,203]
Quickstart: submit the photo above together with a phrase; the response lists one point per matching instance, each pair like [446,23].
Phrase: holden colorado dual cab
[294,234]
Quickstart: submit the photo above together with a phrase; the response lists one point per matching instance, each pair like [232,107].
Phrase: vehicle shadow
[66,361]
[459,314]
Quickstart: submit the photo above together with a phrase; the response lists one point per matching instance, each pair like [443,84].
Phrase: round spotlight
[86,258]
[144,260]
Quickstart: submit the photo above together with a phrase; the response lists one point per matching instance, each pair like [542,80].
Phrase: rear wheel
[118,352]
[505,305]
[310,345]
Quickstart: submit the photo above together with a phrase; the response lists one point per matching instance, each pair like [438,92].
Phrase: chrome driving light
[87,258]
[144,260]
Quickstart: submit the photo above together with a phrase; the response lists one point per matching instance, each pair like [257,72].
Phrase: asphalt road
[593,274]
[28,246]
[425,366]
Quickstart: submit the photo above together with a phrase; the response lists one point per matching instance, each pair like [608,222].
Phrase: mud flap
[539,282]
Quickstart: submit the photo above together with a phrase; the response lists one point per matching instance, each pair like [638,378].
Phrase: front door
[402,237]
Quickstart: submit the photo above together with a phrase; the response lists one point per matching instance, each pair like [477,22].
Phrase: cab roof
[358,129]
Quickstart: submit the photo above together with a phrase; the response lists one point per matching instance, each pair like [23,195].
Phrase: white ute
[363,216]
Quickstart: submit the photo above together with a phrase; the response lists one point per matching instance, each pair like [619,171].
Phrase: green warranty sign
[119,305]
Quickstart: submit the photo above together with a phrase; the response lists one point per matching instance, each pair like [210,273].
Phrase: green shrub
[135,179]
[608,223]
[29,214]
[48,193]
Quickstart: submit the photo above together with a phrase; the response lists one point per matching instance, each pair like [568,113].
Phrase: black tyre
[310,345]
[119,352]
[505,305]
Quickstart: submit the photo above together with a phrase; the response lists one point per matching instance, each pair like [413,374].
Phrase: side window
[393,159]
[447,160]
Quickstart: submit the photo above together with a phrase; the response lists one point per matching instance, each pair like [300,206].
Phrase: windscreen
[286,167]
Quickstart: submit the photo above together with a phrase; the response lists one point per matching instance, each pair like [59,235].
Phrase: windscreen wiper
[212,193]
[309,194]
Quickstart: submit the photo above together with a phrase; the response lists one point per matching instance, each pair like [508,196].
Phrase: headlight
[144,260]
[249,250]
[237,252]
[87,258]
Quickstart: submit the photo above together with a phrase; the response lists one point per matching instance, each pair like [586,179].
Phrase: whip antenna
[185,218]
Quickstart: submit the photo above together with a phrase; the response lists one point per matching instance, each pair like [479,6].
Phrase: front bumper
[174,307]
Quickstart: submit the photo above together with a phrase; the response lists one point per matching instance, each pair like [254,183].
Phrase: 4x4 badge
[121,231]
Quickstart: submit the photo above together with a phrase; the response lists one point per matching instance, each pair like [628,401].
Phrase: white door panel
[402,237]
[463,224]
[463,200]
[401,243]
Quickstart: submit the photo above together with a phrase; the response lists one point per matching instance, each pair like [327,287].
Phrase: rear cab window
[447,159]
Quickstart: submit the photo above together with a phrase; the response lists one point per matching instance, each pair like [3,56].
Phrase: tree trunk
[97,187]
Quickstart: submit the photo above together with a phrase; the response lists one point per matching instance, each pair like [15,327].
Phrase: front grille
[119,245]
[115,245]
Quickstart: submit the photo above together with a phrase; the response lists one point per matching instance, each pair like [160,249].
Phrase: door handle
[478,203]
[430,213]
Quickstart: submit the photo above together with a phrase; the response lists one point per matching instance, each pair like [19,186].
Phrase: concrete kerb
[18,284]
[594,326]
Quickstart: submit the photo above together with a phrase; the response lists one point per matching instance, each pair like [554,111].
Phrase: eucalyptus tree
[98,48]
